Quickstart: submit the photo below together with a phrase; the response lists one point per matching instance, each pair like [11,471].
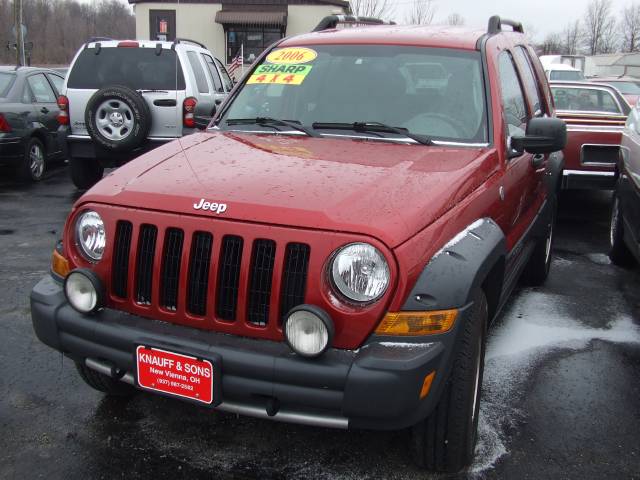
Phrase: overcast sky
[544,15]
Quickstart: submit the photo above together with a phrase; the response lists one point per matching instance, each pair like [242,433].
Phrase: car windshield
[568,75]
[136,68]
[434,92]
[6,80]
[626,88]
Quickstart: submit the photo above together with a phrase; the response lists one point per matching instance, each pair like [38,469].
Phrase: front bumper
[374,387]
[588,180]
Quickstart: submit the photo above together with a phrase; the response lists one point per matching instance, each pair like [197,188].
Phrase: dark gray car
[28,119]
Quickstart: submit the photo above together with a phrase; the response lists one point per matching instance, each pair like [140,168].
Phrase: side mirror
[544,135]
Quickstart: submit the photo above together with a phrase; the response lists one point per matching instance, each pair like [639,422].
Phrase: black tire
[85,172]
[104,383]
[537,269]
[619,253]
[130,105]
[32,169]
[445,441]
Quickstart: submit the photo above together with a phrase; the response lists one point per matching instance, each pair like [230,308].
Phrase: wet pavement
[561,393]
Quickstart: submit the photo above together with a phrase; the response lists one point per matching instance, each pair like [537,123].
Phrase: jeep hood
[387,190]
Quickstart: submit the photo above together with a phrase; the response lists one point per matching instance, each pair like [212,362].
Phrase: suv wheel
[34,162]
[445,441]
[85,172]
[118,118]
[619,252]
[104,383]
[537,269]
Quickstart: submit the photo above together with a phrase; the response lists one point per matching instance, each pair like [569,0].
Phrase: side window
[608,103]
[198,71]
[529,79]
[26,94]
[57,81]
[41,89]
[226,79]
[584,100]
[515,111]
[217,83]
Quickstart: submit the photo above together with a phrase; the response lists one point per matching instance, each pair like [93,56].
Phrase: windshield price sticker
[280,74]
[292,55]
[175,374]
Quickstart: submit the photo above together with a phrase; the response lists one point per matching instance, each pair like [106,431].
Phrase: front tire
[85,172]
[103,383]
[445,441]
[34,163]
[619,253]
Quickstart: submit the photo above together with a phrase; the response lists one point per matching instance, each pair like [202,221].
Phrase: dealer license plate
[175,374]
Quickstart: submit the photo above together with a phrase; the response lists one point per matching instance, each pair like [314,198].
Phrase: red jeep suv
[332,249]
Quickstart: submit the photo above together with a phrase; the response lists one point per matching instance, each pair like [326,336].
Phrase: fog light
[83,290]
[308,330]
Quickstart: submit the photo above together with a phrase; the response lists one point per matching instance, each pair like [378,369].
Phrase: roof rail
[186,40]
[99,39]
[332,21]
[495,25]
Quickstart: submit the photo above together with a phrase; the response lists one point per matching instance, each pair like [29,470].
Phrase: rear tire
[85,172]
[445,441]
[104,383]
[619,253]
[537,269]
[34,163]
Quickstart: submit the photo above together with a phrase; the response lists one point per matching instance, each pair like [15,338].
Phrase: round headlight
[308,330]
[90,235]
[360,272]
[83,290]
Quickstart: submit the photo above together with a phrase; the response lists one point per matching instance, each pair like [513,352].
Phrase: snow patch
[535,325]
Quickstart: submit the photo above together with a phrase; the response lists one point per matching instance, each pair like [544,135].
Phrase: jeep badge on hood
[213,206]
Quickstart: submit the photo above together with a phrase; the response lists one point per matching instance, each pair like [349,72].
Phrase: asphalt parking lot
[561,400]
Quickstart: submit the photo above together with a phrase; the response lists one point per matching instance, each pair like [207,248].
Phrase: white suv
[122,98]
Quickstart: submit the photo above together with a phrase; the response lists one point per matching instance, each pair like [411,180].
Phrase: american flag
[235,64]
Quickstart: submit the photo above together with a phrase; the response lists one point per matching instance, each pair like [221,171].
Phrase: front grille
[208,276]
[144,264]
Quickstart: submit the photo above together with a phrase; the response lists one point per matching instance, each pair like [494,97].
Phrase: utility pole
[17,17]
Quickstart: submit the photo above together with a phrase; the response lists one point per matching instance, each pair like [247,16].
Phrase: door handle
[44,110]
[537,161]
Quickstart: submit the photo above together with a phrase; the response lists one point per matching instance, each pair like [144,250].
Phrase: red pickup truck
[333,248]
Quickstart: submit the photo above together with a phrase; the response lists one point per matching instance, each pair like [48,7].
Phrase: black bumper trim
[375,387]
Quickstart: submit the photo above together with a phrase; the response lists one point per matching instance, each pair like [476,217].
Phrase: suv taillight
[189,110]
[4,125]
[63,114]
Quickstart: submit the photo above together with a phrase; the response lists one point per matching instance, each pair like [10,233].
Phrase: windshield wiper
[272,122]
[373,127]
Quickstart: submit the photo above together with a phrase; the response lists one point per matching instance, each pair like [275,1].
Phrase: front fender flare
[460,267]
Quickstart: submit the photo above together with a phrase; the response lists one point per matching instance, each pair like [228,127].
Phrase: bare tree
[600,27]
[571,36]
[630,26]
[455,19]
[550,45]
[372,8]
[421,13]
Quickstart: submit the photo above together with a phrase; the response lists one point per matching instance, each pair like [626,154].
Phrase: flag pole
[242,60]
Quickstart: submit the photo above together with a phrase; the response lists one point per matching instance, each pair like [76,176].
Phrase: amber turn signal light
[59,264]
[417,323]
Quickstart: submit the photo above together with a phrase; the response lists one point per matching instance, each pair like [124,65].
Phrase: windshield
[626,88]
[438,93]
[6,80]
[569,75]
[136,68]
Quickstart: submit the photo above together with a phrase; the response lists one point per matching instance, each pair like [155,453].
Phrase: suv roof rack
[99,39]
[187,40]
[332,21]
[495,25]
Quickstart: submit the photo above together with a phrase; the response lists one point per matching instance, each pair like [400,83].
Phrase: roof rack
[187,40]
[332,21]
[495,25]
